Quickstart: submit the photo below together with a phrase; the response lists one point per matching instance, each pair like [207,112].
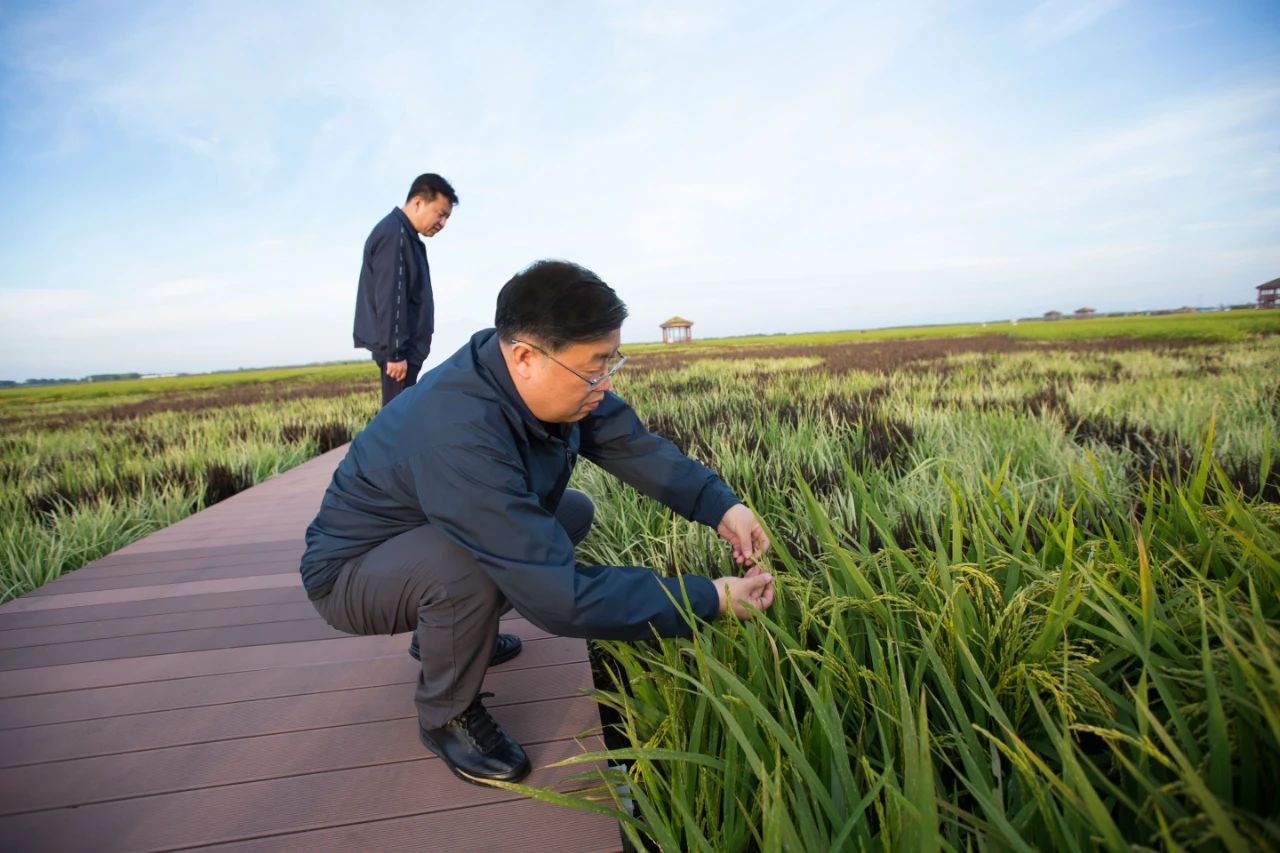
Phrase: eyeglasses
[612,365]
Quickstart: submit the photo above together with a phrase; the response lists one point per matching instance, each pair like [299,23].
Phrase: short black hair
[557,303]
[428,185]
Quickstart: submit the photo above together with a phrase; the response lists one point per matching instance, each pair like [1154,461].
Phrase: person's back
[441,454]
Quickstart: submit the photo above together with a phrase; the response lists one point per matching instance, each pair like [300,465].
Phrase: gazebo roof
[677,321]
[1274,283]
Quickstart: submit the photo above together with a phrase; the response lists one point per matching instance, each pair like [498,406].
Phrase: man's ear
[522,358]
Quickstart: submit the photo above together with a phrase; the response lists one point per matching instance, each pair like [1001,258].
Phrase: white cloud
[1190,120]
[18,305]
[665,19]
[169,325]
[1055,20]
[837,163]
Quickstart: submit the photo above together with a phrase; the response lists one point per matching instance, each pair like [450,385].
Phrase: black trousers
[390,387]
[421,580]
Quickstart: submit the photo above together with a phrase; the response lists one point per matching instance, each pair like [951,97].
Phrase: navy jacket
[395,310]
[460,450]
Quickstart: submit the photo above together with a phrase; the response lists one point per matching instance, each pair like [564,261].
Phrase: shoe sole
[462,774]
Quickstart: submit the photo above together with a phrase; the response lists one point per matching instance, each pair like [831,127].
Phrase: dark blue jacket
[460,450]
[395,310]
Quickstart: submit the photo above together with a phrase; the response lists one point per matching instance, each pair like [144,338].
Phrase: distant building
[1084,313]
[1053,315]
[677,330]
[1269,294]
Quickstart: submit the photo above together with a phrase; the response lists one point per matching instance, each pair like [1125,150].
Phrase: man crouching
[451,507]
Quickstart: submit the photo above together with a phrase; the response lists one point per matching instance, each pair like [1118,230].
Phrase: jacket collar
[404,221]
[488,357]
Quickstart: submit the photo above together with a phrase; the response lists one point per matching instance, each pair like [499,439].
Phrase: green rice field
[89,468]
[1029,599]
[1029,585]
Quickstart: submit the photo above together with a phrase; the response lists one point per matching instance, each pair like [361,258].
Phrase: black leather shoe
[507,647]
[476,748]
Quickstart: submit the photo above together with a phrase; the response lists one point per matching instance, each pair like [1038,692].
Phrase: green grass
[118,391]
[89,469]
[1028,599]
[1007,619]
[1208,326]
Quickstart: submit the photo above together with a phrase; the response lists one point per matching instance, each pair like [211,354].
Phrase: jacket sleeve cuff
[713,503]
[703,598]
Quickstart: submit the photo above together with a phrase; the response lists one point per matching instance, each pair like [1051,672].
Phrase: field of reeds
[1029,590]
[1202,326]
[1029,599]
[87,469]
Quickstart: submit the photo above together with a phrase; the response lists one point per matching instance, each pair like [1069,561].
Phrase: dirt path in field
[186,401]
[887,356]
[873,356]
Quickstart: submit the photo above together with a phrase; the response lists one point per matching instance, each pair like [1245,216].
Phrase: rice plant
[86,472]
[1013,633]
[1029,592]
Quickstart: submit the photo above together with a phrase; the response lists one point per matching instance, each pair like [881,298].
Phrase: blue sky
[187,185]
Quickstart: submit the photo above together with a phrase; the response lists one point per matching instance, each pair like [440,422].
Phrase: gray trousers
[423,581]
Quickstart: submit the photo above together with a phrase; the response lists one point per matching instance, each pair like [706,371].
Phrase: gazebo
[677,330]
[1268,294]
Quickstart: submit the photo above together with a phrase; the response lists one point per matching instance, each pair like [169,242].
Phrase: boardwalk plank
[11,620]
[506,826]
[78,676]
[114,628]
[175,572]
[273,756]
[182,693]
[29,603]
[295,606]
[221,689]
[170,642]
[252,718]
[275,806]
[124,561]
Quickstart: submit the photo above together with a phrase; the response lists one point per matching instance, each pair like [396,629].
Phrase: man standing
[451,507]
[395,310]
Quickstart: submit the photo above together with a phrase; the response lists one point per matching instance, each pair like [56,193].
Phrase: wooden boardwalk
[183,693]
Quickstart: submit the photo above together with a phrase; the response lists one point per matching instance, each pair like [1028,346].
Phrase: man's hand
[753,591]
[397,370]
[741,529]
